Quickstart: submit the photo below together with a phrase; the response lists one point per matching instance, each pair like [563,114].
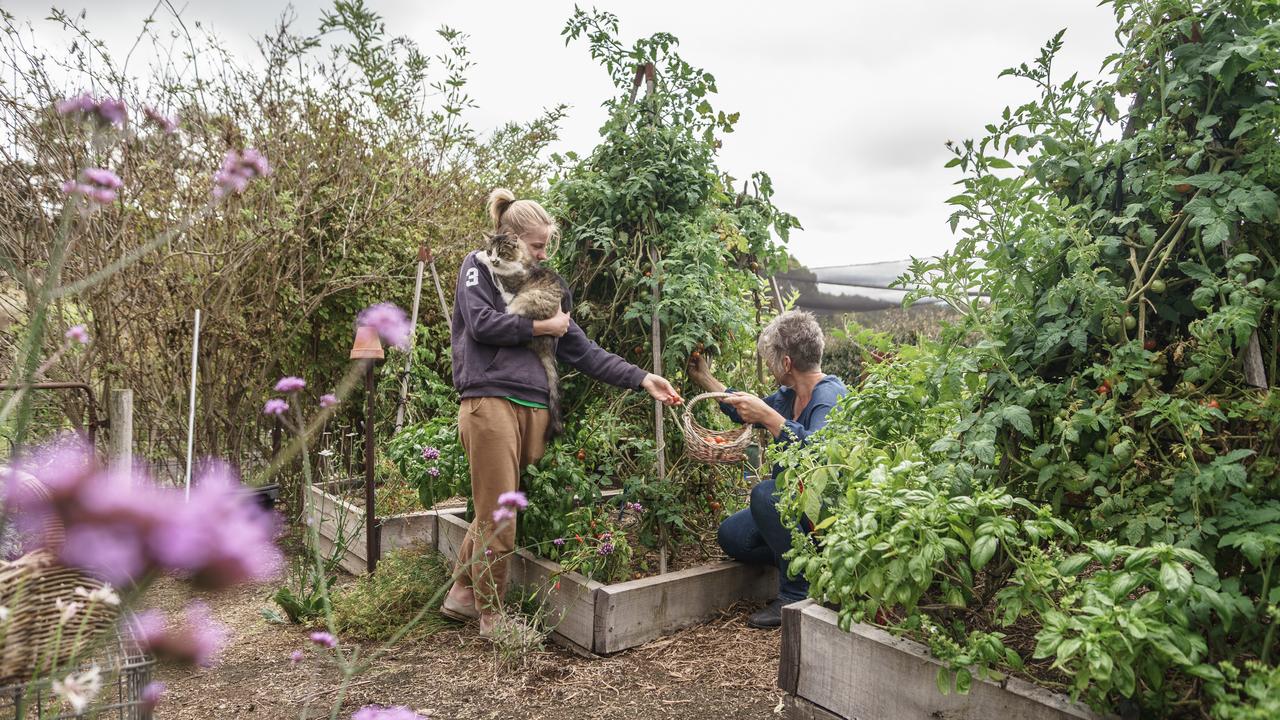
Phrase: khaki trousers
[500,439]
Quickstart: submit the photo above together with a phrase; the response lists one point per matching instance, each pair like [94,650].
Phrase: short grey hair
[794,333]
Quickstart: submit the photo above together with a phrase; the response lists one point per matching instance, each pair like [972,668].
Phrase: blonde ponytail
[518,217]
[499,200]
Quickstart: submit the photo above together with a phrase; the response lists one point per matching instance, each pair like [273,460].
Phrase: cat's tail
[546,353]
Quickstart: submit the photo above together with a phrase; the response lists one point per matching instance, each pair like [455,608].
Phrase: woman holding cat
[503,416]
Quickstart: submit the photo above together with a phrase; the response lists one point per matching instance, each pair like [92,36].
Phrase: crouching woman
[791,346]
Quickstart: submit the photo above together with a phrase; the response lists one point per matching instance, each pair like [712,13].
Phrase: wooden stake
[413,324]
[655,330]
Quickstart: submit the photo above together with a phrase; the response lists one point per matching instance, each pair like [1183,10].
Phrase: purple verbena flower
[390,321]
[97,185]
[514,499]
[238,169]
[120,527]
[606,549]
[275,406]
[195,641]
[606,536]
[219,538]
[380,712]
[502,515]
[324,639]
[295,657]
[558,542]
[165,123]
[433,471]
[78,333]
[107,111]
[430,453]
[151,695]
[289,383]
[328,400]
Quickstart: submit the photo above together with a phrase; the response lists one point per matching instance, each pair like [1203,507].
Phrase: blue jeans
[755,536]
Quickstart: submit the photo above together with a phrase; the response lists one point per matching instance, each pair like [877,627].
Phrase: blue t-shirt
[811,419]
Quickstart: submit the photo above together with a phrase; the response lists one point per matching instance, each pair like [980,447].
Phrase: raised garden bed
[588,616]
[829,674]
[593,617]
[342,523]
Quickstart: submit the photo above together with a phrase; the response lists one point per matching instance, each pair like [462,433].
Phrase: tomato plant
[1051,471]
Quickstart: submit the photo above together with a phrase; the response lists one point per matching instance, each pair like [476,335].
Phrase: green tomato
[1158,287]
[1100,445]
[1039,462]
[1130,322]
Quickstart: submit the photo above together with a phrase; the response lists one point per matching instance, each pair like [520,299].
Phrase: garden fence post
[122,428]
[658,429]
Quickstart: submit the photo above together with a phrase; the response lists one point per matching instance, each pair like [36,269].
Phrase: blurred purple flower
[289,383]
[380,712]
[328,400]
[197,640]
[514,499]
[390,321]
[121,527]
[324,639]
[219,538]
[238,168]
[635,507]
[165,123]
[433,471]
[151,695]
[78,333]
[502,515]
[107,111]
[606,549]
[97,185]
[275,406]
[430,453]
[295,657]
[558,542]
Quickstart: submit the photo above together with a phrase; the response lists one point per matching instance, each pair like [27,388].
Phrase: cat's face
[508,255]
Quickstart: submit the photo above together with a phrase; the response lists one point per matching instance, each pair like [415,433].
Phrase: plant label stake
[191,401]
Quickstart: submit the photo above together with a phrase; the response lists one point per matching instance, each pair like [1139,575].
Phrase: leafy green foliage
[380,605]
[1083,455]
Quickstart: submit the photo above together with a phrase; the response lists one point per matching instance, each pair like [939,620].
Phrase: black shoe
[767,617]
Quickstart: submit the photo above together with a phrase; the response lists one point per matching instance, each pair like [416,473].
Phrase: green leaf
[982,551]
[999,163]
[1018,417]
[1175,578]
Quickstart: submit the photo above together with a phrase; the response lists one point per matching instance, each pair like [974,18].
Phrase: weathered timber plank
[634,612]
[570,609]
[797,708]
[347,560]
[789,661]
[868,673]
[404,530]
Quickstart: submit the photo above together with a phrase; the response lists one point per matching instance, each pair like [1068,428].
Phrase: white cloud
[846,104]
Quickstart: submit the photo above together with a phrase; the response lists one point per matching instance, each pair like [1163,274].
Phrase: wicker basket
[52,535]
[29,588]
[723,447]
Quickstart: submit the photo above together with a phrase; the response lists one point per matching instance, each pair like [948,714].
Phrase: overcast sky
[845,104]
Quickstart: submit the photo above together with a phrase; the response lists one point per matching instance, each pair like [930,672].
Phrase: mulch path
[721,669]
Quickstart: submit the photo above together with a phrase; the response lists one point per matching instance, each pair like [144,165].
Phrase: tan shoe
[455,610]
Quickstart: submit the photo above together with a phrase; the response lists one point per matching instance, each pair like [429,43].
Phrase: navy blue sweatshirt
[490,358]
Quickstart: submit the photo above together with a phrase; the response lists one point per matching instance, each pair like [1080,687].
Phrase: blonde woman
[503,415]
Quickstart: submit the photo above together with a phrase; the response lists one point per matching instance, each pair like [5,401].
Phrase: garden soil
[721,669]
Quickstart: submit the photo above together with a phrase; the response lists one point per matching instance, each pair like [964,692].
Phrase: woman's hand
[661,390]
[753,410]
[555,326]
[700,373]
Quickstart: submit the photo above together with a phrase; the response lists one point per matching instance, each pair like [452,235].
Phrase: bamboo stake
[413,325]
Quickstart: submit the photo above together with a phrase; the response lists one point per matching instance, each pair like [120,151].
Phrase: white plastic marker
[191,416]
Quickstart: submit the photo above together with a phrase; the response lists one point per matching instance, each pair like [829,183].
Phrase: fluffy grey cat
[535,292]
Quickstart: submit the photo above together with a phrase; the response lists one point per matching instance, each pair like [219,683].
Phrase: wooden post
[191,416]
[1255,372]
[370,514]
[655,329]
[121,410]
[435,278]
[413,325]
